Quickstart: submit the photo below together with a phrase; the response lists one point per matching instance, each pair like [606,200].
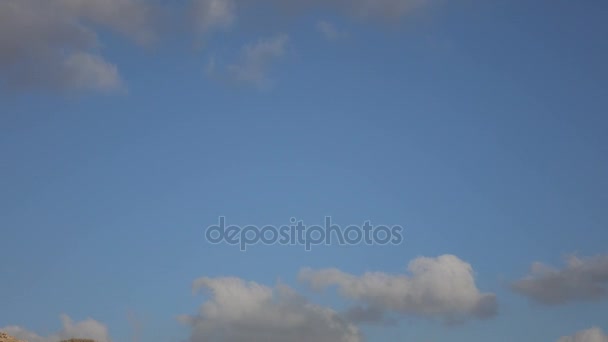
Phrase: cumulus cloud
[87,329]
[442,287]
[580,279]
[589,335]
[240,311]
[53,43]
[256,60]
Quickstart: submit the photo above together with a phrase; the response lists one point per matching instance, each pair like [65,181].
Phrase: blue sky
[479,126]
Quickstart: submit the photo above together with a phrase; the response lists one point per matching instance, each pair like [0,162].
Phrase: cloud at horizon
[240,311]
[236,310]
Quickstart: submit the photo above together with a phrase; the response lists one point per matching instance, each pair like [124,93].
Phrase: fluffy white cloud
[53,43]
[589,335]
[580,279]
[87,329]
[441,287]
[239,311]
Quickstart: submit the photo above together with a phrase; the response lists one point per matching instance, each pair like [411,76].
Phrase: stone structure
[4,337]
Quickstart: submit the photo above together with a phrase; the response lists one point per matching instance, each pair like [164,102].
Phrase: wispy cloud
[256,61]
[224,12]
[329,31]
[213,15]
[54,45]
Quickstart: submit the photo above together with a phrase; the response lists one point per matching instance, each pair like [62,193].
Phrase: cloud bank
[442,287]
[582,279]
[87,329]
[239,311]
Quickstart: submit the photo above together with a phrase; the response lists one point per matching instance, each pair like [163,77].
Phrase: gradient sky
[479,126]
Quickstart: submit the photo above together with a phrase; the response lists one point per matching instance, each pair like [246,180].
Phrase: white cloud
[256,60]
[53,43]
[589,335]
[442,287]
[580,279]
[239,311]
[87,329]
